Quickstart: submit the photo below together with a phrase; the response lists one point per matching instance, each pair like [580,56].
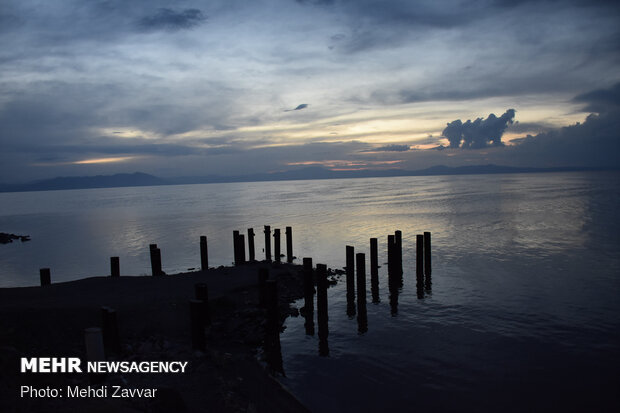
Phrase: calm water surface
[523,313]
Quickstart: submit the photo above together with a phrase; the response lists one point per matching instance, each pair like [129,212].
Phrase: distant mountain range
[315,172]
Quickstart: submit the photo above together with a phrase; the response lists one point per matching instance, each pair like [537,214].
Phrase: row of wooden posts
[107,337]
[238,249]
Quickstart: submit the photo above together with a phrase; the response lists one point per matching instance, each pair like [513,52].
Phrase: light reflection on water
[525,267]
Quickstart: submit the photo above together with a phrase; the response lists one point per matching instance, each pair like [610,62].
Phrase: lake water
[523,314]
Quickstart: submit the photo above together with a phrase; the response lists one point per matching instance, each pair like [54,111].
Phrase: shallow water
[523,311]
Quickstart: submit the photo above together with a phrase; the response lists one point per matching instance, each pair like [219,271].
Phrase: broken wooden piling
[289,244]
[115,268]
[204,253]
[267,243]
[45,276]
[155,260]
[276,244]
[362,318]
[251,252]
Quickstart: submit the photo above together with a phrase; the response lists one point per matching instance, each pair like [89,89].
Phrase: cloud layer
[192,87]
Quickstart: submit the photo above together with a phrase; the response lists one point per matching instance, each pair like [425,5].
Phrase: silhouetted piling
[321,304]
[350,274]
[419,260]
[155,260]
[362,318]
[196,308]
[45,276]
[321,294]
[374,269]
[398,250]
[391,254]
[308,297]
[241,242]
[289,244]
[263,276]
[393,286]
[109,327]
[201,292]
[427,253]
[276,244]
[204,253]
[236,253]
[115,267]
[251,253]
[267,243]
[374,257]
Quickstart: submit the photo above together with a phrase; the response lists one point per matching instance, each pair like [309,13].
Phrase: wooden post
[289,244]
[251,253]
[398,250]
[308,297]
[350,268]
[45,276]
[109,327]
[362,318]
[263,276]
[427,253]
[241,242]
[267,243]
[308,282]
[276,244]
[374,270]
[321,304]
[204,253]
[236,247]
[374,257]
[115,267]
[155,260]
[360,259]
[350,271]
[196,308]
[201,292]
[393,286]
[391,254]
[419,258]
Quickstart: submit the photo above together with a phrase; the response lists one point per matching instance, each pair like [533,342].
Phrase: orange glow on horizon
[104,160]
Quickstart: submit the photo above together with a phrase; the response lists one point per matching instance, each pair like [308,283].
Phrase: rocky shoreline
[154,324]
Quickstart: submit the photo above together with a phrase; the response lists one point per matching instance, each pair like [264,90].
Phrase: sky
[196,88]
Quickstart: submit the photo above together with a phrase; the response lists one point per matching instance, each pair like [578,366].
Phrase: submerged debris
[8,238]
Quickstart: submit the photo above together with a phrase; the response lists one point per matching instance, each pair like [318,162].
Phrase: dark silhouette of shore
[153,324]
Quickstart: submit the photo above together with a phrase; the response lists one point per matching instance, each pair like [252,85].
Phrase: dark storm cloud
[593,143]
[601,100]
[168,19]
[479,133]
[536,127]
